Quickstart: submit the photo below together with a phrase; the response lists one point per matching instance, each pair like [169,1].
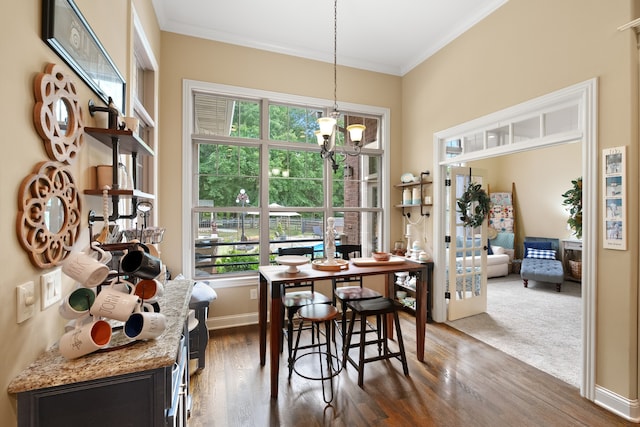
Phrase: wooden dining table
[275,277]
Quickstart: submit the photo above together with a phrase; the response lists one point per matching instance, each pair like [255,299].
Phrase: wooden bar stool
[318,314]
[378,307]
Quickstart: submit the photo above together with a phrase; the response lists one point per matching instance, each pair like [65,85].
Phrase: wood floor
[463,382]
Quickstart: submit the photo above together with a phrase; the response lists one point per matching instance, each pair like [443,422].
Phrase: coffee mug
[141,264]
[132,124]
[150,307]
[85,268]
[148,289]
[143,326]
[77,303]
[122,285]
[114,304]
[76,323]
[85,339]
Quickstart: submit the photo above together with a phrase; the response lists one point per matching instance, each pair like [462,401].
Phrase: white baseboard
[626,408]
[224,322]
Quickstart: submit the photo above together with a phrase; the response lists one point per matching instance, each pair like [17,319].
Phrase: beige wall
[25,55]
[527,49]
[202,60]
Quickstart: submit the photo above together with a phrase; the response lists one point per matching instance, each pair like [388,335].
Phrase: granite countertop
[52,369]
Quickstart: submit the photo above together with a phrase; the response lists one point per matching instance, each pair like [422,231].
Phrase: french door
[467,252]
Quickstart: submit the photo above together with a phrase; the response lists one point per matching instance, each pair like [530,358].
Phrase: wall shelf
[129,143]
[120,142]
[125,193]
[424,181]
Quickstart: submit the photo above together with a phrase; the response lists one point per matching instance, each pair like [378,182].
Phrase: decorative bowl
[381,256]
[293,261]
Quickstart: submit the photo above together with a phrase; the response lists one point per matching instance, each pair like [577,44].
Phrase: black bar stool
[318,314]
[378,307]
[349,288]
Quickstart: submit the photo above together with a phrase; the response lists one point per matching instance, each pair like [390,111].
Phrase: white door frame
[584,95]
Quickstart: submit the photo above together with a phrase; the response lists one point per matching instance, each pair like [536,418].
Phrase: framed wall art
[66,31]
[614,200]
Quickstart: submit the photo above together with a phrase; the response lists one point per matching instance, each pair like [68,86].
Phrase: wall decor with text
[66,31]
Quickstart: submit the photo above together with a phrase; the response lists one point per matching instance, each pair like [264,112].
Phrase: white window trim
[191,86]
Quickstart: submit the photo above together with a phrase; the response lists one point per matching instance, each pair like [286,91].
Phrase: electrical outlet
[253,294]
[50,288]
[25,301]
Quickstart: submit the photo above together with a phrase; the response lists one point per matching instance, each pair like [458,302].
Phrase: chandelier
[326,136]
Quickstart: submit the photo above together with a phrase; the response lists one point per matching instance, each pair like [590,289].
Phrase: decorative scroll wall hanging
[48,214]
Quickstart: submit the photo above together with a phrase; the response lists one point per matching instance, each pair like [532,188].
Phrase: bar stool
[293,300]
[318,314]
[349,288]
[378,307]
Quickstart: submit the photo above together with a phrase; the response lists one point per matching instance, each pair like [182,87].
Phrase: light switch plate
[50,288]
[25,301]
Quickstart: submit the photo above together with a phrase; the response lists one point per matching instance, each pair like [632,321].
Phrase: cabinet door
[130,400]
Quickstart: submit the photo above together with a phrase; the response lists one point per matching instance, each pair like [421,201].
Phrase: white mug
[149,289]
[114,304]
[144,326]
[83,267]
[76,323]
[85,339]
[132,124]
[77,303]
[122,285]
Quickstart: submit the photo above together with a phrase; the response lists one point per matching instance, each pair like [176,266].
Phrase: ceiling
[387,36]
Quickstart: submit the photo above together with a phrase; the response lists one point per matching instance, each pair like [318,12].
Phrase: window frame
[189,159]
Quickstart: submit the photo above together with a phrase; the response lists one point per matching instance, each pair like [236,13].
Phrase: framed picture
[614,200]
[66,31]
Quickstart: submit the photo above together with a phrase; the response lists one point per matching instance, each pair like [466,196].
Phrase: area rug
[537,325]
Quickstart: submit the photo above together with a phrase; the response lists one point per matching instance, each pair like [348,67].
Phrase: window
[258,182]
[144,100]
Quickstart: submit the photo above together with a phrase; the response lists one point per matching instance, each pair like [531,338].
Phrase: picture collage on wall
[614,168]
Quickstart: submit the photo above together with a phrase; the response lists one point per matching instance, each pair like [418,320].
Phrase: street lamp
[242,199]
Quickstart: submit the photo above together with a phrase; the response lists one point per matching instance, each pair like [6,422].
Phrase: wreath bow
[474,205]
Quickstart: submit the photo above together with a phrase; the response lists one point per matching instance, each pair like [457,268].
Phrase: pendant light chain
[335,56]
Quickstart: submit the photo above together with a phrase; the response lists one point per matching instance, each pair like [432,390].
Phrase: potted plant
[573,199]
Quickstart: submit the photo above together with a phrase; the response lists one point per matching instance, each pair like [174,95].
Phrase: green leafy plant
[573,199]
[474,205]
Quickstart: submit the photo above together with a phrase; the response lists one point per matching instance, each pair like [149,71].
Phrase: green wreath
[474,205]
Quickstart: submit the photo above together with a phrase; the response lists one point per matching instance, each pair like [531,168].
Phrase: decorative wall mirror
[48,214]
[57,114]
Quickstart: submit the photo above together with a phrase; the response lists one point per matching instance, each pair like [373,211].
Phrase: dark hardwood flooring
[463,382]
